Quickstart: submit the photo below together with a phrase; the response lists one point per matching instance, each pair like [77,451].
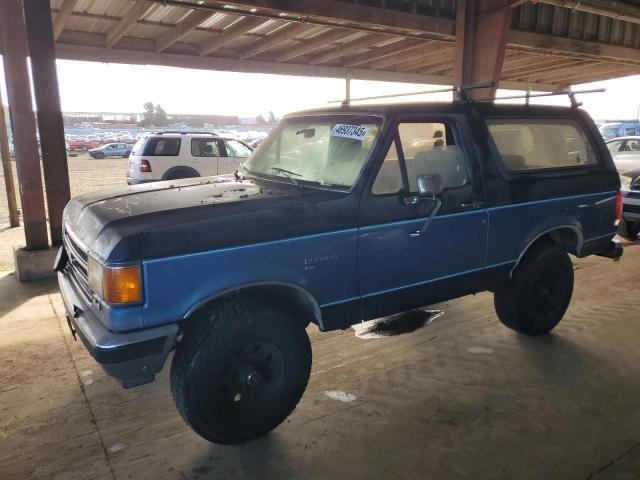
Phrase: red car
[82,144]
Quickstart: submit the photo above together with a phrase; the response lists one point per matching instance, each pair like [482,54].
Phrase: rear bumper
[613,249]
[138,181]
[132,358]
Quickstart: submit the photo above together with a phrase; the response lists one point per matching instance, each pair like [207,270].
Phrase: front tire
[240,370]
[536,298]
[628,229]
[98,155]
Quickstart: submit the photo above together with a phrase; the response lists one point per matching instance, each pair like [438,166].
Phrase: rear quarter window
[526,144]
[162,147]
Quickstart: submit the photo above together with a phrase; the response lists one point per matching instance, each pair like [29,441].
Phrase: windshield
[327,150]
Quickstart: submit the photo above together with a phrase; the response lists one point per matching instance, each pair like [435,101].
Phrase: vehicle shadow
[265,457]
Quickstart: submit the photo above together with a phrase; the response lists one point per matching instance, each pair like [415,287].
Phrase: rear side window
[162,147]
[541,144]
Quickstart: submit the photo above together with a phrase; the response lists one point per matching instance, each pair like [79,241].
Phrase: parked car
[174,155]
[331,221]
[111,150]
[619,129]
[82,144]
[629,225]
[625,152]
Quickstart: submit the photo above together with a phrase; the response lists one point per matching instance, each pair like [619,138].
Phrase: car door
[627,156]
[205,155]
[414,250]
[237,152]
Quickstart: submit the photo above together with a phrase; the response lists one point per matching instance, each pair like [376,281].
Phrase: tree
[149,115]
[260,119]
[272,118]
[160,119]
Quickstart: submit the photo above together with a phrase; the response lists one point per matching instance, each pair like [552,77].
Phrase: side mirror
[430,185]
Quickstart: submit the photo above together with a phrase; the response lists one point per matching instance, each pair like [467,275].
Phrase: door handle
[472,205]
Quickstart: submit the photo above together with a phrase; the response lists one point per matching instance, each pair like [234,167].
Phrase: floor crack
[613,461]
[92,416]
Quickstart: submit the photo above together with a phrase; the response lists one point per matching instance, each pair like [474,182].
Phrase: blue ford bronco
[341,215]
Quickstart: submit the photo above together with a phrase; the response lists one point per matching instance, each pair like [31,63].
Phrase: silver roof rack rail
[570,93]
[461,93]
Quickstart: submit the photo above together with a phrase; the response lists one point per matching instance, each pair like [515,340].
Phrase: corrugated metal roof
[296,42]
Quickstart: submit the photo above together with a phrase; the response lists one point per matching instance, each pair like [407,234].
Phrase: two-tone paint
[353,255]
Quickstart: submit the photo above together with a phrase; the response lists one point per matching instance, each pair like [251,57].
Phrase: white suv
[172,155]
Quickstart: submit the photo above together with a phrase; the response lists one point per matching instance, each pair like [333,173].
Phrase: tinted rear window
[527,144]
[162,147]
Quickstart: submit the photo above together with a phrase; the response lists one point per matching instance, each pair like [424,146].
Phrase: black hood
[186,216]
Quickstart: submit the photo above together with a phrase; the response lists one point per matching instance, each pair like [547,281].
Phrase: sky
[102,87]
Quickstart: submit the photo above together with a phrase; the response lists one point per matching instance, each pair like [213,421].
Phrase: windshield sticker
[355,132]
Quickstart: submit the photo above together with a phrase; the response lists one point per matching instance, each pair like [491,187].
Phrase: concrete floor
[461,398]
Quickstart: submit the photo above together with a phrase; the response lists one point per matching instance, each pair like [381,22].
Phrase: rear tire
[536,298]
[240,370]
[182,173]
[628,229]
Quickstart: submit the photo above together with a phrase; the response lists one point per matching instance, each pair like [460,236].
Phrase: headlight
[115,285]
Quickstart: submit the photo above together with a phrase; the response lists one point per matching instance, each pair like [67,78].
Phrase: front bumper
[132,358]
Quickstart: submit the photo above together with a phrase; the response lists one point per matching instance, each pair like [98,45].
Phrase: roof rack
[461,92]
[183,132]
[570,93]
[464,98]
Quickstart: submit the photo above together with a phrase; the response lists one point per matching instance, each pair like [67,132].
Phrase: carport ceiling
[549,47]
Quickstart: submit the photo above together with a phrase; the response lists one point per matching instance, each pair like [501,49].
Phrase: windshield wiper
[289,174]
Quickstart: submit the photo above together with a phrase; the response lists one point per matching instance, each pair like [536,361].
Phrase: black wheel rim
[253,376]
[546,293]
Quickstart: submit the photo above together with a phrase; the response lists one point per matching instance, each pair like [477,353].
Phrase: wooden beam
[12,204]
[284,34]
[425,60]
[481,34]
[569,47]
[350,48]
[543,72]
[142,52]
[597,73]
[230,33]
[382,52]
[315,43]
[588,68]
[535,66]
[629,71]
[186,25]
[50,124]
[15,51]
[61,17]
[127,21]
[418,52]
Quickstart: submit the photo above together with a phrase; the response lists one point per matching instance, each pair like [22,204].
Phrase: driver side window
[427,149]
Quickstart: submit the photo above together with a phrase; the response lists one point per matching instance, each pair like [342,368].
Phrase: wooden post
[14,56]
[50,124]
[481,38]
[14,219]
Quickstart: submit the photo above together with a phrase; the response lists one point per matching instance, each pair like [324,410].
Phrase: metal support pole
[14,219]
[23,124]
[347,89]
[50,124]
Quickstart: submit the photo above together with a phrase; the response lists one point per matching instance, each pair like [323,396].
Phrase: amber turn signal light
[122,284]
